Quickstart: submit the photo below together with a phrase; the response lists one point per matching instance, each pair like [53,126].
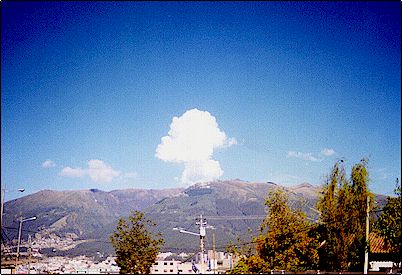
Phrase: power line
[26,230]
[250,217]
[3,231]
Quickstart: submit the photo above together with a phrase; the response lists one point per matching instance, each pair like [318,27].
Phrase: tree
[249,261]
[358,211]
[286,241]
[136,248]
[388,224]
[334,252]
[251,264]
[343,208]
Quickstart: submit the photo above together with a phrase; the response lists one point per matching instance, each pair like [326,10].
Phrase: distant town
[34,262]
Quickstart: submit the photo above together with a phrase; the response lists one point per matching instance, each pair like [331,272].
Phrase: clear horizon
[116,95]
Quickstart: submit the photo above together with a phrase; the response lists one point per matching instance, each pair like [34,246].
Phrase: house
[171,267]
[214,263]
[380,256]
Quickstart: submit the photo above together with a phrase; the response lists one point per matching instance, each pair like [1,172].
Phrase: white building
[166,267]
[218,263]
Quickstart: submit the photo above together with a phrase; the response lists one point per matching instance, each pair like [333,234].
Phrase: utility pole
[18,245]
[202,223]
[3,193]
[367,236]
[3,190]
[19,238]
[214,251]
[29,253]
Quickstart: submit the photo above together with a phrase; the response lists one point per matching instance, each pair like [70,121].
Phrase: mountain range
[232,209]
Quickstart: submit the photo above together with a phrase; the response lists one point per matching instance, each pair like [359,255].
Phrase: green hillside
[92,214]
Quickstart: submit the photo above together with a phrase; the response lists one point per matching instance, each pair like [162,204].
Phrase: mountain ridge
[93,213]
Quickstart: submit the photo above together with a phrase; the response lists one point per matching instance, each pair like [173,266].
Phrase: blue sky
[88,89]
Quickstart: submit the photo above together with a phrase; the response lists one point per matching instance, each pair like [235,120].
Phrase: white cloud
[303,156]
[191,140]
[229,142]
[72,172]
[285,179]
[201,171]
[48,164]
[98,171]
[328,152]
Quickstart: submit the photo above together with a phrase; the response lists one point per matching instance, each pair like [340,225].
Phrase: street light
[19,237]
[203,224]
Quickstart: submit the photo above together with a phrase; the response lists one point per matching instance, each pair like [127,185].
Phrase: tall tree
[358,211]
[249,261]
[334,252]
[285,241]
[343,206]
[136,248]
[388,224]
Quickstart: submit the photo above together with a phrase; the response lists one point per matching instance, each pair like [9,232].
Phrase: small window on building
[171,263]
[171,270]
[165,263]
[156,270]
[165,270]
